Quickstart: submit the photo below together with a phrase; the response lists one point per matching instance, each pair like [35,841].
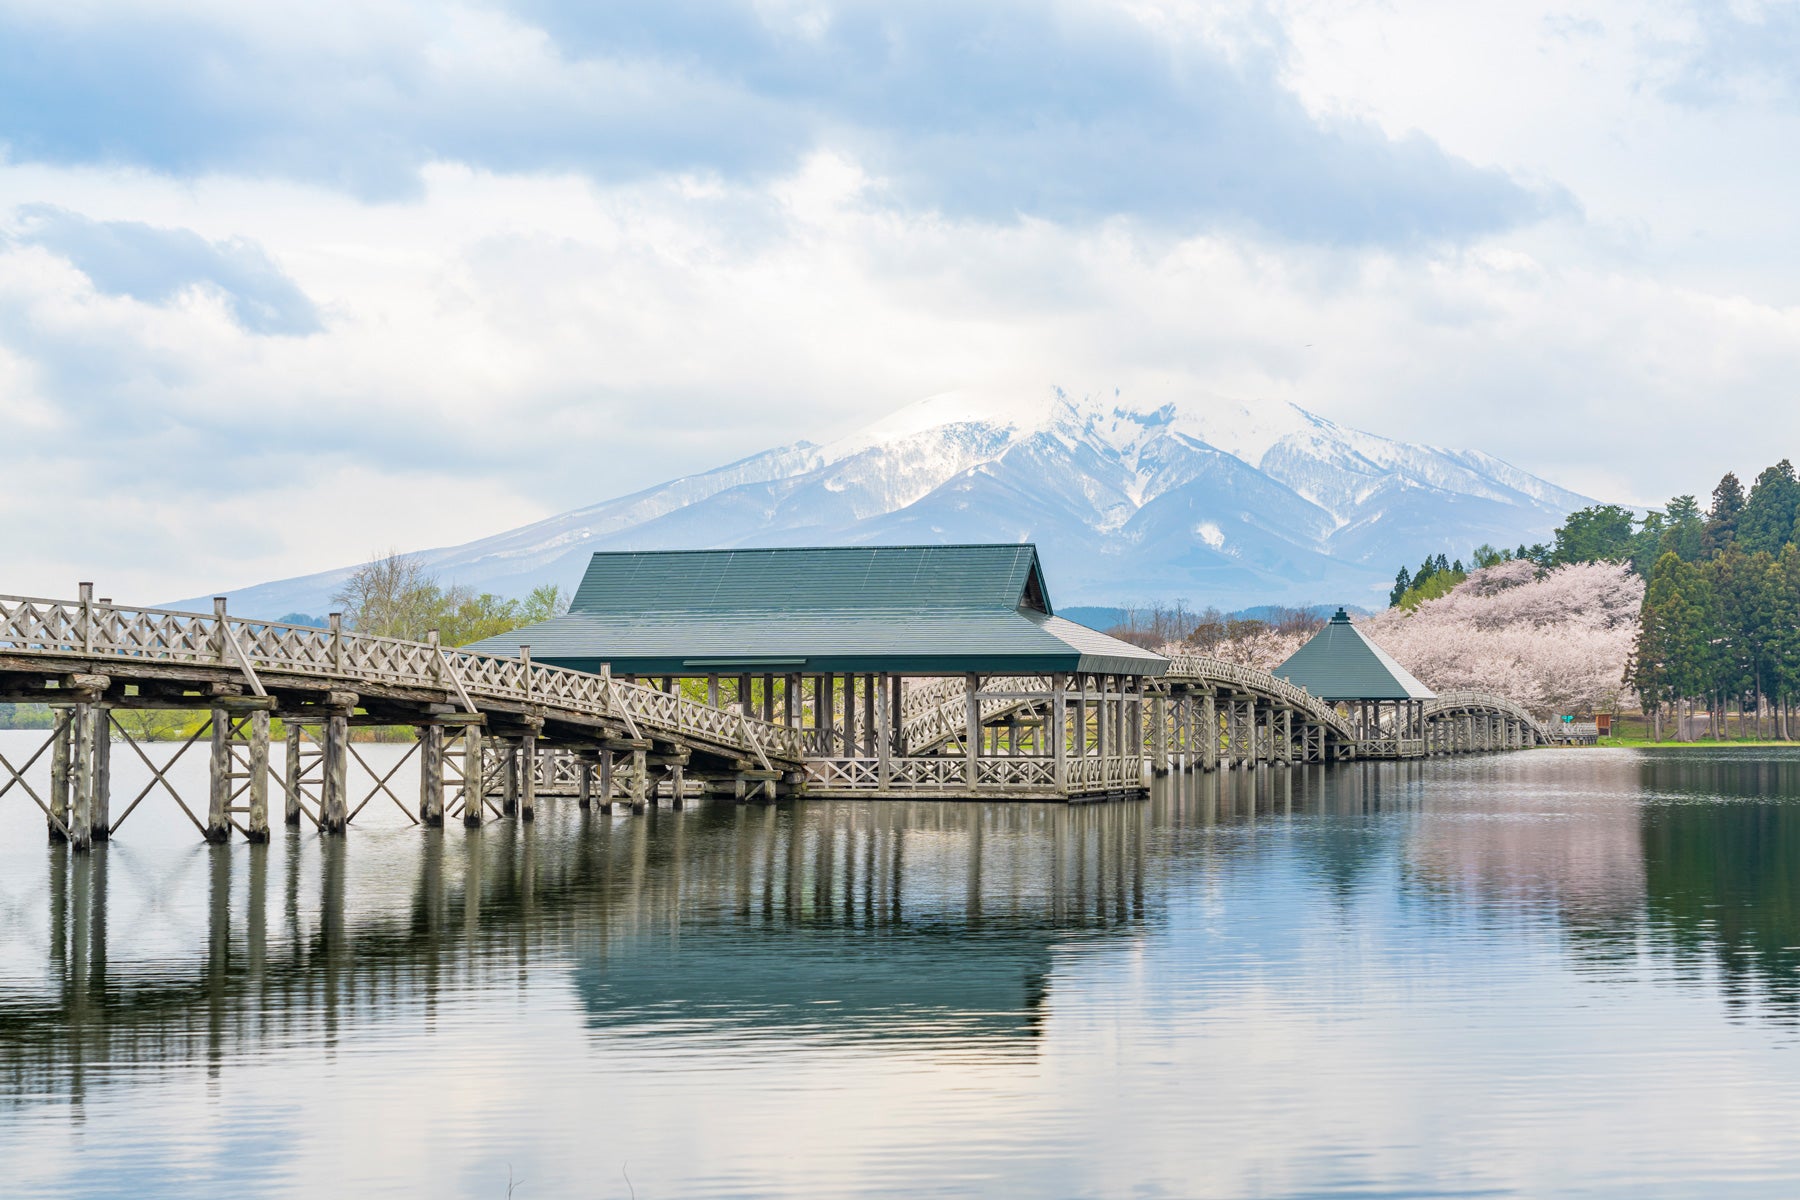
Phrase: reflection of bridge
[493,732]
[950,908]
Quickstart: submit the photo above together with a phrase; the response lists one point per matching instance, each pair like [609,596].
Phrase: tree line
[1720,627]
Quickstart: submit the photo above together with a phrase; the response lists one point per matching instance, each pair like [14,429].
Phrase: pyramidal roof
[1339,663]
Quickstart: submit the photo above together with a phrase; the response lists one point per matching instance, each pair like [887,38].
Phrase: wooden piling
[290,777]
[218,806]
[640,780]
[509,777]
[335,806]
[584,779]
[81,823]
[526,759]
[60,734]
[257,827]
[102,811]
[474,786]
[431,775]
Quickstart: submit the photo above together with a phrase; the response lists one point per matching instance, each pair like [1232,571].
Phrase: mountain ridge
[1208,500]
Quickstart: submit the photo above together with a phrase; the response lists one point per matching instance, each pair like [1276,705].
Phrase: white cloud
[520,338]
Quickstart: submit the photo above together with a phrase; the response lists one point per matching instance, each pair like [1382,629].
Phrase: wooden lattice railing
[1195,668]
[937,712]
[948,774]
[1485,703]
[88,629]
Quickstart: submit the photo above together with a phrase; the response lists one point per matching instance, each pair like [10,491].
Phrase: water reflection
[1721,839]
[1373,979]
[924,920]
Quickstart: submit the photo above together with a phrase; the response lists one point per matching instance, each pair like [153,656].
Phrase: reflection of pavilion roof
[910,984]
[1339,663]
[903,609]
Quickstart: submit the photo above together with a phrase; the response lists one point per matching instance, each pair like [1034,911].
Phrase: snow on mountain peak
[1127,498]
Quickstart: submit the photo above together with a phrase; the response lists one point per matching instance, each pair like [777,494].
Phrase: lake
[1559,972]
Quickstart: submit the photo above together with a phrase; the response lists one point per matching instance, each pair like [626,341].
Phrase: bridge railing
[926,725]
[1188,667]
[1469,700]
[90,629]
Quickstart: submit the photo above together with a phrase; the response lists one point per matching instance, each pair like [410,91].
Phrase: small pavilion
[1384,703]
[911,669]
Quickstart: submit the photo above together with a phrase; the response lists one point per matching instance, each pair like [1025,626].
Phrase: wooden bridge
[479,718]
[493,733]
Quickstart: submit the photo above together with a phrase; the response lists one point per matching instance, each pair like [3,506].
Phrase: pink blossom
[1556,644]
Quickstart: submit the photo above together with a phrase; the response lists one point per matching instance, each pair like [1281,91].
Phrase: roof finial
[1340,617]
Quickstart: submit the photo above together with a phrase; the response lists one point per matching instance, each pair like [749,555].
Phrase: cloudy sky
[284,284]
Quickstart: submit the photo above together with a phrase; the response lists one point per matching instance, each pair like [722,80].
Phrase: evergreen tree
[1722,520]
[1767,520]
[1684,529]
[1402,582]
[1602,533]
[1652,666]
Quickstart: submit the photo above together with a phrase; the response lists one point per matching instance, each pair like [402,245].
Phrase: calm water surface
[1552,973]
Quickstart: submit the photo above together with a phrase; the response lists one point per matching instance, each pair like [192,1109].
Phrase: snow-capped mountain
[1205,500]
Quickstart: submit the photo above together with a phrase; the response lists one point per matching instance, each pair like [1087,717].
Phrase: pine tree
[1402,582]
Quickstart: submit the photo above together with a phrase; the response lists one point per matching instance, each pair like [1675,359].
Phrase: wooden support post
[972,728]
[62,740]
[334,788]
[509,777]
[1081,716]
[884,765]
[102,825]
[1286,744]
[640,780]
[257,790]
[606,781]
[290,779]
[1209,732]
[431,775]
[849,716]
[676,799]
[1059,730]
[81,822]
[871,727]
[474,786]
[584,780]
[527,773]
[218,814]
[1159,735]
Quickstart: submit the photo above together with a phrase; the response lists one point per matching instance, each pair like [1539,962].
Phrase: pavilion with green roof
[882,654]
[1383,700]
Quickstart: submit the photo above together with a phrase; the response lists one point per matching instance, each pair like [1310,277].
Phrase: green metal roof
[901,609]
[814,577]
[1339,663]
